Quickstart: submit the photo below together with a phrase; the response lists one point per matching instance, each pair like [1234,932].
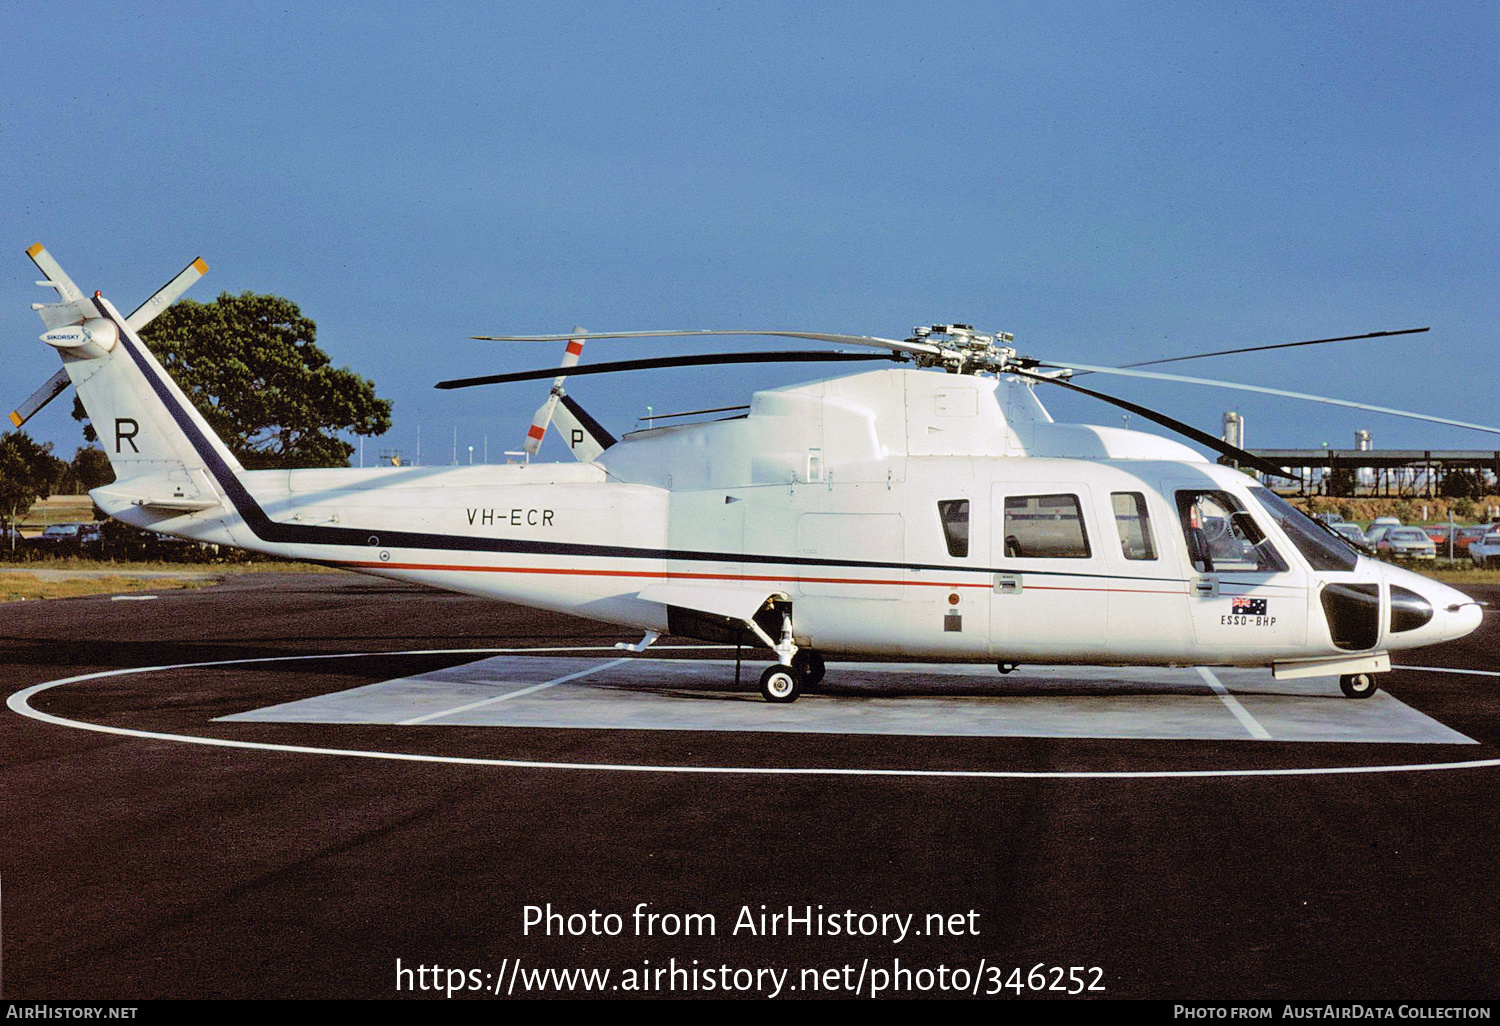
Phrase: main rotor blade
[1279,345]
[1242,456]
[861,340]
[50,390]
[700,360]
[1159,376]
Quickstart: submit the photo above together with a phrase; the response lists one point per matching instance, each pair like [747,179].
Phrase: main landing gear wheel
[780,684]
[1357,685]
[810,665]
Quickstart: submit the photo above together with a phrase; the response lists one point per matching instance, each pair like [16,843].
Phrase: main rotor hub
[964,350]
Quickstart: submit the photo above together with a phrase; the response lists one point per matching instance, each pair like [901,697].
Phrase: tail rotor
[543,418]
[69,311]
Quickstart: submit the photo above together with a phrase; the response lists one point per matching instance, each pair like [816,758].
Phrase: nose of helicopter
[1427,612]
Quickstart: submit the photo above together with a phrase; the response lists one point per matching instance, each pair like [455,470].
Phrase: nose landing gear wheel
[1357,685]
[780,684]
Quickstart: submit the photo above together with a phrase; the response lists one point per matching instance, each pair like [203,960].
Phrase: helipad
[873,698]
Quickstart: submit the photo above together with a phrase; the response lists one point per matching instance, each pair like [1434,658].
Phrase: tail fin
[161,449]
[585,436]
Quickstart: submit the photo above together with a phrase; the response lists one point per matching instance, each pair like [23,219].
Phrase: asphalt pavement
[165,839]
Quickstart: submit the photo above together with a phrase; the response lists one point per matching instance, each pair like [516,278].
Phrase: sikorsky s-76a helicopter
[932,511]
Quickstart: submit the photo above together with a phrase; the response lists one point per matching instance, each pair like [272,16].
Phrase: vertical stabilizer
[143,419]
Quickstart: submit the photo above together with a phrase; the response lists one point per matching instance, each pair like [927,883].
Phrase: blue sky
[1111,182]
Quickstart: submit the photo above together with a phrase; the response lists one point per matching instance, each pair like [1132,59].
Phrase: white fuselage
[842,498]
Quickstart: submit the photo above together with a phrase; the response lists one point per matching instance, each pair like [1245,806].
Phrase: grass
[247,566]
[1459,573]
[27,587]
[30,582]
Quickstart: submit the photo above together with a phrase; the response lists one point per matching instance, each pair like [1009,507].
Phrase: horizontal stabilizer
[177,505]
[110,498]
[175,492]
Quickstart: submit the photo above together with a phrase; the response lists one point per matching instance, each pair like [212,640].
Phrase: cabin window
[1134,525]
[954,514]
[1221,536]
[1045,527]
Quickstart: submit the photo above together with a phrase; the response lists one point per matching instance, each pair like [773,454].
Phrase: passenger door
[1050,595]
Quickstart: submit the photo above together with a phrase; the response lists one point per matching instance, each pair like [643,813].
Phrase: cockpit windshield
[1321,547]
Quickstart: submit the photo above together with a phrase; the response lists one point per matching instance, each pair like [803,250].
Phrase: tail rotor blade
[543,418]
[166,295]
[538,429]
[54,387]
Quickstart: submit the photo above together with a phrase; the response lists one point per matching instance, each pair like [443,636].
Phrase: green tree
[27,473]
[252,366]
[1341,481]
[1461,484]
[90,468]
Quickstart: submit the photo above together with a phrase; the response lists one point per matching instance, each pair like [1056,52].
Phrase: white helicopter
[899,512]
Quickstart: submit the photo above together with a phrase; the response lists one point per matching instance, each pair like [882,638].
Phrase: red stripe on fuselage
[758,578]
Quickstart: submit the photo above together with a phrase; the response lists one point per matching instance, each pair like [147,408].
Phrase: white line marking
[19,704]
[1446,669]
[509,695]
[1247,721]
[130,598]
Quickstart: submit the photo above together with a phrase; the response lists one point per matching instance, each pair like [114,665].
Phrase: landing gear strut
[794,667]
[1357,685]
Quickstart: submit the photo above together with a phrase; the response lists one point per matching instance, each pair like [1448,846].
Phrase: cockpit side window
[954,515]
[1221,536]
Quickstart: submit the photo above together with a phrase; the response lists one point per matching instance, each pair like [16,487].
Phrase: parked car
[67,539]
[1466,536]
[1406,543]
[1439,534]
[1375,533]
[1486,551]
[1344,529]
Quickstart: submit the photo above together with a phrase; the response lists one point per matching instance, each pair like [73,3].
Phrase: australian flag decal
[1249,607]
